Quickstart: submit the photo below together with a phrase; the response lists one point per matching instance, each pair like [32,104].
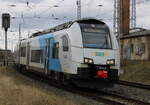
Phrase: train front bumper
[94,72]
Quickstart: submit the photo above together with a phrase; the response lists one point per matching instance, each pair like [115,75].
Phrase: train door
[52,56]
[47,55]
[28,55]
[65,53]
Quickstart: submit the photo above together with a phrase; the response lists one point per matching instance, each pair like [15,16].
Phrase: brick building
[136,45]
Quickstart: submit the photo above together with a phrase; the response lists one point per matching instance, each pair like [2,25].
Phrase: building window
[35,56]
[140,49]
[56,51]
[132,48]
[65,43]
[143,47]
[23,51]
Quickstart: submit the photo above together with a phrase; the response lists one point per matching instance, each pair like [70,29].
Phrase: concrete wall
[137,48]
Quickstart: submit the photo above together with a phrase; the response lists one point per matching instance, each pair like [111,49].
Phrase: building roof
[140,33]
[3,50]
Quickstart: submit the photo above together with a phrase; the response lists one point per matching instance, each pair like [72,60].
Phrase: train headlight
[88,61]
[110,62]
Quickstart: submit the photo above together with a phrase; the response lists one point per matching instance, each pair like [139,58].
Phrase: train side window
[35,56]
[23,51]
[55,51]
[65,43]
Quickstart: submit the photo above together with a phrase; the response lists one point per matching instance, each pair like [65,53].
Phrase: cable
[50,8]
[140,2]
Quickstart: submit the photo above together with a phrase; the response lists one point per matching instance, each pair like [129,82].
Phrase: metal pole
[19,33]
[28,34]
[19,41]
[6,25]
[78,9]
[6,48]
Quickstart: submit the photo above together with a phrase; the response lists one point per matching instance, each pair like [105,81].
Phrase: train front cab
[100,53]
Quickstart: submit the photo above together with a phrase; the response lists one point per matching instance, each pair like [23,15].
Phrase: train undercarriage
[92,77]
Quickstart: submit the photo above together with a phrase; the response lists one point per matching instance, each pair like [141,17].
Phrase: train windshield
[95,36]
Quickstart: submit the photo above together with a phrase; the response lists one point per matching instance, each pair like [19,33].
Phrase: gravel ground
[135,93]
[70,96]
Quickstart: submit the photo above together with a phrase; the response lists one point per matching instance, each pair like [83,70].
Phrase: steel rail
[124,98]
[133,84]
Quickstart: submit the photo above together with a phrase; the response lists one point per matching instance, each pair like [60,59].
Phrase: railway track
[100,96]
[136,85]
[71,89]
[123,99]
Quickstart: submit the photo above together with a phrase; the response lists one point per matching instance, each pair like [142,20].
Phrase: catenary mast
[78,9]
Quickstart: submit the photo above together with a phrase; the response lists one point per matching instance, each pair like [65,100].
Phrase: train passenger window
[65,43]
[35,56]
[55,51]
[23,51]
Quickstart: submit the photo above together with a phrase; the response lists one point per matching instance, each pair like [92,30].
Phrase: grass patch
[136,71]
[16,89]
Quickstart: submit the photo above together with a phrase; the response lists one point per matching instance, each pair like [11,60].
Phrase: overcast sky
[43,14]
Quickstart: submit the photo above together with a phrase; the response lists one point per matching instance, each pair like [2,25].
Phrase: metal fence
[2,63]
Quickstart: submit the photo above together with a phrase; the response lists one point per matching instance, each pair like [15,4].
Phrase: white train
[83,49]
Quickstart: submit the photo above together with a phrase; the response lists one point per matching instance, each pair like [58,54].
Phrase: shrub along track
[100,96]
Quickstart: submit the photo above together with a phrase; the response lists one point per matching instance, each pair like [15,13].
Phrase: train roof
[66,25]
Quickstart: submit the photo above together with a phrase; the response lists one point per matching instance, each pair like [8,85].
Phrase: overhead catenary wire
[50,8]
[141,2]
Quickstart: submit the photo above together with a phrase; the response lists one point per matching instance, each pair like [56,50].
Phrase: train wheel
[52,75]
